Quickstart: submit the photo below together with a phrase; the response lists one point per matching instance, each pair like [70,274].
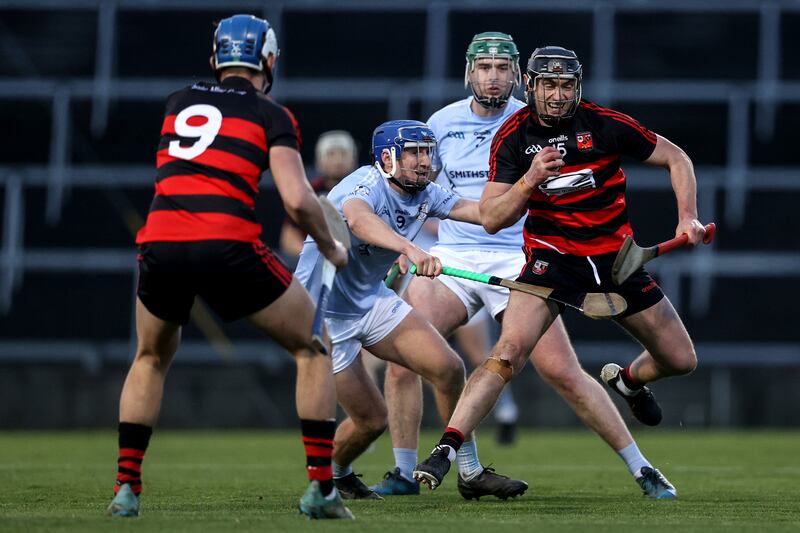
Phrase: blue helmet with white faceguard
[398,135]
[244,41]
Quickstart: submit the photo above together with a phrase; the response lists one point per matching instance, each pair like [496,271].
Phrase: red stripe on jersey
[221,160]
[622,117]
[601,245]
[182,226]
[583,219]
[296,127]
[595,166]
[509,127]
[200,184]
[526,111]
[236,128]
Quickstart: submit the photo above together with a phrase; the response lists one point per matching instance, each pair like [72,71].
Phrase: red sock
[133,441]
[318,443]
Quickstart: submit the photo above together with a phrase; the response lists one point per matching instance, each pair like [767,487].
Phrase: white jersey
[357,286]
[463,153]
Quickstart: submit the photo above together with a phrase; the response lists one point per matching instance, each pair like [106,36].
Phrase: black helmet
[554,62]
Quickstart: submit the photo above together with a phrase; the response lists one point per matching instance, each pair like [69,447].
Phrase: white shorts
[476,295]
[348,335]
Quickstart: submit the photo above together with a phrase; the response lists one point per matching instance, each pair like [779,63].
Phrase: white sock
[405,459]
[469,465]
[506,411]
[634,459]
[341,471]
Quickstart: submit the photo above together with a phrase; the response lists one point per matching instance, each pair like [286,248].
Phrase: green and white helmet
[492,44]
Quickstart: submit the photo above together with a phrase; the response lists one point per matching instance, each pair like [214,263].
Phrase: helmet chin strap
[268,76]
[410,189]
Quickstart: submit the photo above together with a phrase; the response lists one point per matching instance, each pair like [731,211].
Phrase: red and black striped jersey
[590,221]
[214,146]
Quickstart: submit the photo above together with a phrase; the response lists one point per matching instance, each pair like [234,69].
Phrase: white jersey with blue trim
[463,154]
[358,284]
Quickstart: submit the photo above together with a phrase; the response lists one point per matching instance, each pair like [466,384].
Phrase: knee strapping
[501,367]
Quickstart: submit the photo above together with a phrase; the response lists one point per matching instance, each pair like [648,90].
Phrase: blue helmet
[244,41]
[397,135]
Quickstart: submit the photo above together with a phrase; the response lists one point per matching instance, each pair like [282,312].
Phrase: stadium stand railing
[726,187]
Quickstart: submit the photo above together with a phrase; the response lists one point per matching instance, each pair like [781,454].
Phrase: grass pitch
[251,481]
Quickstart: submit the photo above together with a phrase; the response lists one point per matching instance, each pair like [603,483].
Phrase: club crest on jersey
[423,211]
[584,139]
[540,267]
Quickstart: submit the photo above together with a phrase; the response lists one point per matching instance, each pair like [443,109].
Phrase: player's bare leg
[438,305]
[140,402]
[668,352]
[556,362]
[415,344]
[157,342]
[526,319]
[288,321]
[668,349]
[366,420]
[474,343]
[403,388]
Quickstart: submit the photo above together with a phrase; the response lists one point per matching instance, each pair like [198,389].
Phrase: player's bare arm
[502,204]
[681,171]
[466,211]
[370,228]
[301,203]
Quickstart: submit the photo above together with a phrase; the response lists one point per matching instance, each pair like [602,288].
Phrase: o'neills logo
[560,138]
[540,267]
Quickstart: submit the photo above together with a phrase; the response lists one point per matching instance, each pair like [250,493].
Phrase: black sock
[133,442]
[318,443]
[452,437]
[627,379]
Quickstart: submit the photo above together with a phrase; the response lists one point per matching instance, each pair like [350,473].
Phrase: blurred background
[82,86]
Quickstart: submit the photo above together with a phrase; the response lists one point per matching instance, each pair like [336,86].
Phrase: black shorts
[572,273]
[235,278]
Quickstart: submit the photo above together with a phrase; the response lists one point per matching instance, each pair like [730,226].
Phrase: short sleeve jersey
[463,152]
[588,222]
[214,146]
[358,284]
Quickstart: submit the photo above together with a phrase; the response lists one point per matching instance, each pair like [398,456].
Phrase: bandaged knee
[501,367]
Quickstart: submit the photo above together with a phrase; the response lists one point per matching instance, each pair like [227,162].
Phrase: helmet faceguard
[245,41]
[394,137]
[557,64]
[492,45]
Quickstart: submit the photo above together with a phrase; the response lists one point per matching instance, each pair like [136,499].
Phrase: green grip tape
[458,273]
[413,269]
[392,276]
[466,274]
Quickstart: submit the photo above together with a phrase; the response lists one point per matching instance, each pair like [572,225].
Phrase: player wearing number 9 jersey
[215,143]
[202,238]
